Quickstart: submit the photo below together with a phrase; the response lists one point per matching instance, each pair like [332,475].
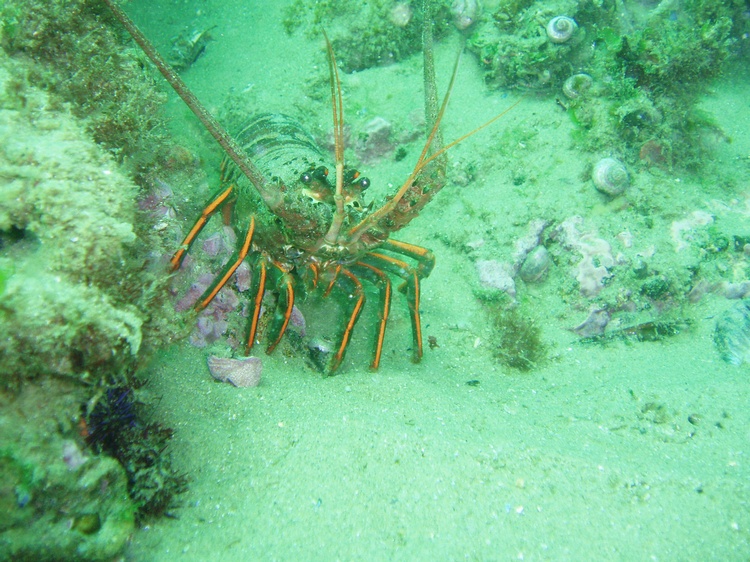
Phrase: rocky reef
[643,66]
[83,291]
[58,502]
[67,213]
[375,33]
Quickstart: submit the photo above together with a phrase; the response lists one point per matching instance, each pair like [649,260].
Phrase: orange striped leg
[179,255]
[283,311]
[377,277]
[410,287]
[215,287]
[359,302]
[423,256]
[259,283]
[332,282]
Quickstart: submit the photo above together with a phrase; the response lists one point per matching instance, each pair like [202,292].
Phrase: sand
[625,451]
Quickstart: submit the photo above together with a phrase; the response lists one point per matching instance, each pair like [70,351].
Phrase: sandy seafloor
[590,456]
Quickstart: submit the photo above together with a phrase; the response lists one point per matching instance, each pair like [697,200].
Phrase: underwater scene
[374,280]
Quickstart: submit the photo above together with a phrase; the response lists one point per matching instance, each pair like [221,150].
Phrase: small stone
[496,275]
[594,325]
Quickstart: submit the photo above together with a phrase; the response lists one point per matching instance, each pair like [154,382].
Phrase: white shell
[561,28]
[610,176]
[536,265]
[465,13]
[577,85]
[239,372]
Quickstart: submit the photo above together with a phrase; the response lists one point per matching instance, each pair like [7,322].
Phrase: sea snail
[561,28]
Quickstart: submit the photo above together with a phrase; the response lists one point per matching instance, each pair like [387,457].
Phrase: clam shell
[239,372]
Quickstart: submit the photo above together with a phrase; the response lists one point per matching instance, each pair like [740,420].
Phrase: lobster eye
[364,183]
[350,175]
[305,177]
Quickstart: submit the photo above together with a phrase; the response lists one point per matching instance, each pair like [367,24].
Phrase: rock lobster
[304,229]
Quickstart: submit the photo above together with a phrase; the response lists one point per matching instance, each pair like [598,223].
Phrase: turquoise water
[615,450]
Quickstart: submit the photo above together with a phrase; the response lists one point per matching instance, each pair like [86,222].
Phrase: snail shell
[577,85]
[561,28]
[610,176]
[536,265]
[465,13]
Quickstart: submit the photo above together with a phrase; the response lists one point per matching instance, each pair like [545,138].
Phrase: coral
[592,270]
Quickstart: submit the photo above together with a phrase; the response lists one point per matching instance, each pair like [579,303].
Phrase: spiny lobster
[302,227]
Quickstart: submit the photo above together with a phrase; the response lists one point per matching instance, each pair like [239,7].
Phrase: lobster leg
[377,277]
[259,289]
[283,311]
[410,287]
[215,287]
[424,257]
[359,301]
[179,255]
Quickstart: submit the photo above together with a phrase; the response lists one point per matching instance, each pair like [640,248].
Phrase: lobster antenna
[430,80]
[271,196]
[337,102]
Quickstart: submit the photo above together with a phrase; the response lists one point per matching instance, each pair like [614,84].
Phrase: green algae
[649,64]
[58,502]
[365,36]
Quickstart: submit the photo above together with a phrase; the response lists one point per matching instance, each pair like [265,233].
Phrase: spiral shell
[577,85]
[536,265]
[610,176]
[561,28]
[465,13]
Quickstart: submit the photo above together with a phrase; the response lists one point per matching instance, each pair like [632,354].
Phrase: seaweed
[366,35]
[85,61]
[516,339]
[649,66]
[116,426]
